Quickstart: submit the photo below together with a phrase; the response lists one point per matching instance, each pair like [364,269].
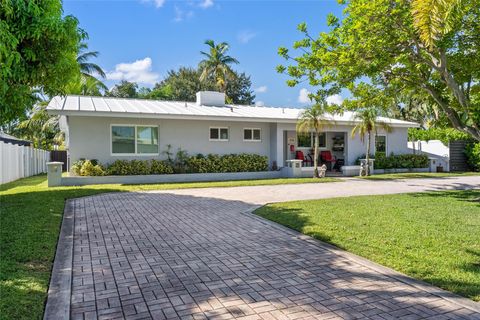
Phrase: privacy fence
[21,161]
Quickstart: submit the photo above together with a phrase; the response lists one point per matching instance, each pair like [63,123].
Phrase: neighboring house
[14,140]
[111,128]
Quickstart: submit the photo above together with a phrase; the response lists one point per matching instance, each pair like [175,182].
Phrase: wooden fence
[21,161]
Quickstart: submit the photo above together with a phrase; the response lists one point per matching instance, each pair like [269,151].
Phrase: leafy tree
[313,119]
[158,92]
[216,64]
[124,89]
[239,90]
[184,83]
[431,48]
[38,51]
[87,69]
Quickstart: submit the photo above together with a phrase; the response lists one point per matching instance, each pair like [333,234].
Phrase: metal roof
[140,108]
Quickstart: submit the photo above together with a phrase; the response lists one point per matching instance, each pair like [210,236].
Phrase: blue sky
[140,40]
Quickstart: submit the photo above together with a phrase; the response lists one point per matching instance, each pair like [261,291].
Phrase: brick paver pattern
[169,256]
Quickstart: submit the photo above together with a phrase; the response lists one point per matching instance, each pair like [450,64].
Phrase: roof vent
[211,98]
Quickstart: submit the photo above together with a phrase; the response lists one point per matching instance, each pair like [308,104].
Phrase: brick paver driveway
[174,255]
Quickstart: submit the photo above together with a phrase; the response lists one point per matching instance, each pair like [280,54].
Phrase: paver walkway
[200,254]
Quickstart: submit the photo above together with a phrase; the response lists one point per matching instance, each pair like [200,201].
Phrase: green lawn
[430,236]
[30,221]
[413,175]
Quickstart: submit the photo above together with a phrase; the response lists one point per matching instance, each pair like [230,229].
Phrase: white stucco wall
[90,137]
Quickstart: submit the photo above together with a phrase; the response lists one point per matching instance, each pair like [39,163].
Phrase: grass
[30,222]
[413,175]
[432,236]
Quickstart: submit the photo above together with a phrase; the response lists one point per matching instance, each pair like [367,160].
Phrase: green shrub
[76,167]
[227,163]
[160,167]
[89,169]
[400,161]
[473,155]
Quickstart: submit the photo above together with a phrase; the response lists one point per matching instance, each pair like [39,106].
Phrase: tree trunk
[315,157]
[367,167]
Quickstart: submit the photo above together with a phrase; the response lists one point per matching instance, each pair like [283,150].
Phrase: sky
[140,40]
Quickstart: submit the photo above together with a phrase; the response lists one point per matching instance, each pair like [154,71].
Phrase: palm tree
[367,123]
[40,128]
[87,83]
[87,68]
[217,64]
[313,119]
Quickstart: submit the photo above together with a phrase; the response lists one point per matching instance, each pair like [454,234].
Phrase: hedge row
[191,164]
[400,161]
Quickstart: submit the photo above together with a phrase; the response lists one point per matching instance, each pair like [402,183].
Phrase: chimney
[211,98]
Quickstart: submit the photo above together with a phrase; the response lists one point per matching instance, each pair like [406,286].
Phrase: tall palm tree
[217,64]
[313,119]
[86,67]
[368,122]
[87,83]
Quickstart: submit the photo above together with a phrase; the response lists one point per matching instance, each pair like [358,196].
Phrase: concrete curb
[452,297]
[59,291]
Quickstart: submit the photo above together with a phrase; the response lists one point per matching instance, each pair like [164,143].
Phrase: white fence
[20,161]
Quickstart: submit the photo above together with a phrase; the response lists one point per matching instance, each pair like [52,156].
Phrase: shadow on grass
[467,194]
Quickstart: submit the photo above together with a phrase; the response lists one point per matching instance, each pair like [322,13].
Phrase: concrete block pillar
[54,173]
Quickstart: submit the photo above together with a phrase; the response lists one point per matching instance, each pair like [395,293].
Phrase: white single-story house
[108,129]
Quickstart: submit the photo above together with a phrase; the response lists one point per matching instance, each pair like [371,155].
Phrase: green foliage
[444,135]
[90,169]
[160,167]
[227,163]
[426,49]
[216,64]
[181,164]
[124,89]
[473,155]
[38,51]
[400,161]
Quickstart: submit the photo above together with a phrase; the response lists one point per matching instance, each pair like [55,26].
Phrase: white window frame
[386,142]
[219,140]
[136,152]
[253,139]
[312,140]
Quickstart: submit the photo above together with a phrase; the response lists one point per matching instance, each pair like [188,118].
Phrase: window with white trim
[131,140]
[381,144]
[251,134]
[307,140]
[219,134]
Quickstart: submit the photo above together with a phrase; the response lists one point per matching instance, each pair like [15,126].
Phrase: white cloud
[259,103]
[303,96]
[139,71]
[335,99]
[206,4]
[245,36]
[157,3]
[261,89]
[181,15]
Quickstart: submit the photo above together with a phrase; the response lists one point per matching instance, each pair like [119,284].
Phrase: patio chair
[328,158]
[306,161]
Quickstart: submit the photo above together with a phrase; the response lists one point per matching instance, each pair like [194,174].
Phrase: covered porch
[332,150]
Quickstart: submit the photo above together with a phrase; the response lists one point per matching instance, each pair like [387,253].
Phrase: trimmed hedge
[400,161]
[193,164]
[227,163]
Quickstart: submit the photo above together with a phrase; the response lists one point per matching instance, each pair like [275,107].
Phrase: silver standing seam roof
[142,108]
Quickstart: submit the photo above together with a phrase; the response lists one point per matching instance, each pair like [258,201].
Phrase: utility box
[54,173]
